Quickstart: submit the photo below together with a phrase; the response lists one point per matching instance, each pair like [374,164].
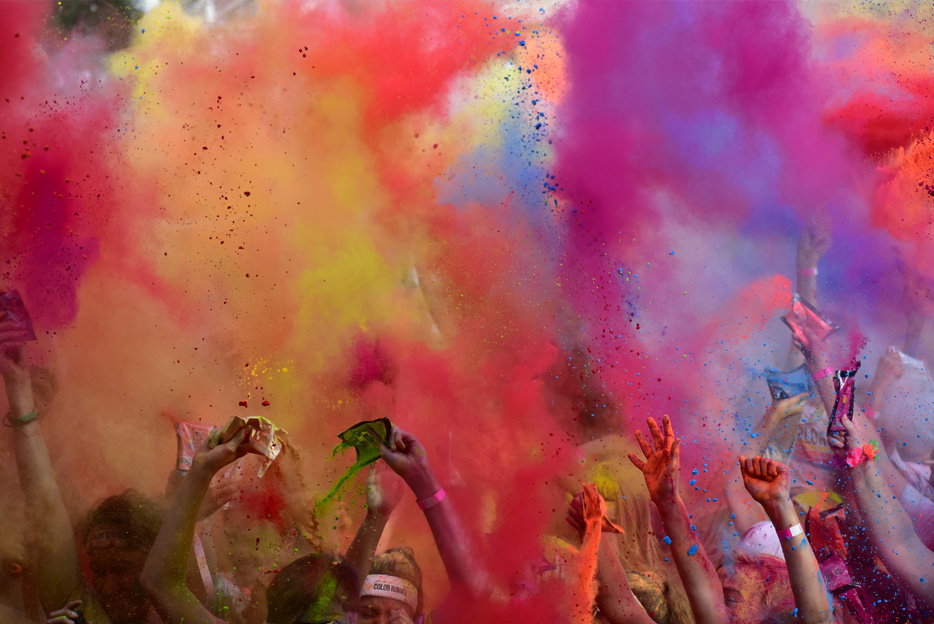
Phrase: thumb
[849,427]
[238,439]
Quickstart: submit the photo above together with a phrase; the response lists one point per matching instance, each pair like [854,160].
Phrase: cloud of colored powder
[495,211]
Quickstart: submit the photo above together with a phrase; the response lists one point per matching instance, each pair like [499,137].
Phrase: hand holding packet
[365,438]
[844,385]
[12,304]
[265,438]
[802,315]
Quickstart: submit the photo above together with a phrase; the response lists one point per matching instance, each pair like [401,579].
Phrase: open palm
[662,463]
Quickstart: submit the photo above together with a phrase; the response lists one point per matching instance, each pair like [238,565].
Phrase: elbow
[148,579]
[151,580]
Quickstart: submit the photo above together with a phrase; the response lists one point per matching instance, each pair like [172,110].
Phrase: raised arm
[52,539]
[813,243]
[890,528]
[617,603]
[165,572]
[697,572]
[408,458]
[382,497]
[767,482]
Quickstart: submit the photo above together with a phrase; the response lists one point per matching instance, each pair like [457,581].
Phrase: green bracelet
[19,421]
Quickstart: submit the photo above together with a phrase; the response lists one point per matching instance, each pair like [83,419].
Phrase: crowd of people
[832,525]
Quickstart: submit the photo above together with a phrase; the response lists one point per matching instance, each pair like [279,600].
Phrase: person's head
[394,582]
[316,588]
[117,536]
[756,589]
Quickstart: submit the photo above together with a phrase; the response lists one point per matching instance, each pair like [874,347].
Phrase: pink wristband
[870,414]
[808,272]
[431,501]
[818,375]
[790,532]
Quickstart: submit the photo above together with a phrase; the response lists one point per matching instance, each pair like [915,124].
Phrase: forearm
[806,287]
[807,586]
[165,571]
[886,520]
[450,538]
[361,550]
[891,532]
[824,385]
[52,536]
[696,570]
[585,591]
[615,599]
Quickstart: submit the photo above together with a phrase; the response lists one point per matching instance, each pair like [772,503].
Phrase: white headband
[385,586]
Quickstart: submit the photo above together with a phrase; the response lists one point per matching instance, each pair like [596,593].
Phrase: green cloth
[365,437]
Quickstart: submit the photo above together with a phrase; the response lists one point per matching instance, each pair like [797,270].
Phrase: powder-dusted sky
[482,207]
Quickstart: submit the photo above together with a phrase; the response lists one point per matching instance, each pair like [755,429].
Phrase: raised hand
[408,458]
[222,491]
[67,615]
[211,459]
[582,514]
[766,480]
[785,408]
[888,370]
[859,432]
[814,242]
[662,463]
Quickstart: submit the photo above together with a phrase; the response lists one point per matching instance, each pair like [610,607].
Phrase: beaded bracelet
[19,421]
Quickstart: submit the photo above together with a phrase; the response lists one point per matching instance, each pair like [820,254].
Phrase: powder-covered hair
[135,517]
[400,562]
[641,551]
[313,580]
[765,591]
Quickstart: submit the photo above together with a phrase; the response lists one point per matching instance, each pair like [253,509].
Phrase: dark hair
[400,562]
[313,579]
[136,517]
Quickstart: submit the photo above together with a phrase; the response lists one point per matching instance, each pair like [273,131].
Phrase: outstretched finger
[638,463]
[646,449]
[675,455]
[669,433]
[656,434]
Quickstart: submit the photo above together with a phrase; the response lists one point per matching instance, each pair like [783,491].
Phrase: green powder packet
[365,438]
